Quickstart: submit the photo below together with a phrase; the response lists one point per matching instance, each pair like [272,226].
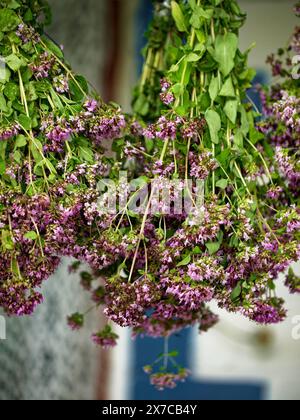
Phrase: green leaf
[193,4]
[2,167]
[228,88]
[230,109]
[28,16]
[192,57]
[3,106]
[245,126]
[197,250]
[86,154]
[149,143]
[7,241]
[199,16]
[178,17]
[201,36]
[222,183]
[31,235]
[236,293]
[185,261]
[11,91]
[214,88]
[225,52]
[21,141]
[13,4]
[213,247]
[184,73]
[239,139]
[214,124]
[222,158]
[17,156]
[141,105]
[8,20]
[24,121]
[255,135]
[173,353]
[52,47]
[42,88]
[78,88]
[14,62]
[31,93]
[4,72]
[140,182]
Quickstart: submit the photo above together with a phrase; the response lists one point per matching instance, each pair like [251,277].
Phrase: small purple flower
[61,84]
[167,98]
[165,85]
[166,380]
[76,321]
[105,338]
[274,192]
[91,105]
[268,312]
[27,34]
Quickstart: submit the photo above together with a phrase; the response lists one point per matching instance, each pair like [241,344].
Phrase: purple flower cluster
[105,338]
[17,300]
[274,192]
[57,131]
[166,95]
[106,128]
[27,34]
[127,303]
[265,313]
[292,281]
[168,129]
[202,164]
[208,320]
[163,381]
[189,297]
[295,43]
[9,132]
[287,110]
[61,84]
[276,64]
[289,168]
[43,65]
[76,321]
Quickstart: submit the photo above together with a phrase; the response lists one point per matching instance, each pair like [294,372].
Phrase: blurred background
[41,358]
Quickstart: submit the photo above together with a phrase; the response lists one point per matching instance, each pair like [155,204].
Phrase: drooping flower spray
[199,202]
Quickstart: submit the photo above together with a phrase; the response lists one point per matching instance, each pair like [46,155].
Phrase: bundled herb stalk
[281,106]
[206,209]
[50,156]
[242,229]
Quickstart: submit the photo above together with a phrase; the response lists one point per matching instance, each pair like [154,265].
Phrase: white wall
[269,24]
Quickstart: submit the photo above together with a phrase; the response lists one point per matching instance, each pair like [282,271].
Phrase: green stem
[147,69]
[39,236]
[67,70]
[166,352]
[140,237]
[214,173]
[262,159]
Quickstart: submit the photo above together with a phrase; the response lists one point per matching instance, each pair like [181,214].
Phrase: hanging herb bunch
[281,129]
[238,235]
[50,156]
[194,141]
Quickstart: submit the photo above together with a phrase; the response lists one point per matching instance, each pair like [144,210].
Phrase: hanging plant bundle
[206,210]
[242,227]
[50,156]
[281,106]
